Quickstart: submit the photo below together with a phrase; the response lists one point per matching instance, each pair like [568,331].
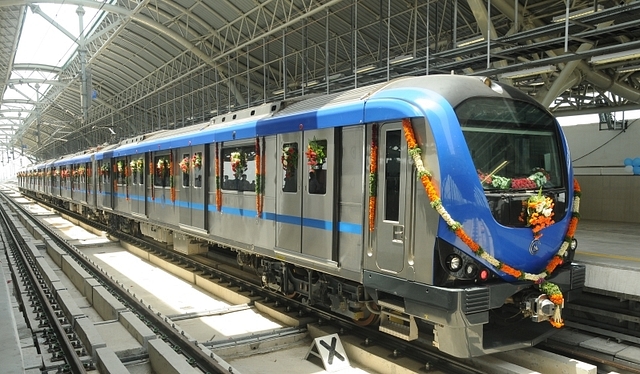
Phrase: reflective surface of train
[441,207]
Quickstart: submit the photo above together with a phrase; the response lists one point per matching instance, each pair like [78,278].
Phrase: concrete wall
[610,190]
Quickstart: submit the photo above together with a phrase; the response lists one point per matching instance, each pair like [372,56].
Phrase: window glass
[239,168]
[196,167]
[289,162]
[121,166]
[161,176]
[104,172]
[185,168]
[392,176]
[133,165]
[316,156]
[513,144]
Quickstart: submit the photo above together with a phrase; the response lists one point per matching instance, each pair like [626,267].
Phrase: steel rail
[205,362]
[16,243]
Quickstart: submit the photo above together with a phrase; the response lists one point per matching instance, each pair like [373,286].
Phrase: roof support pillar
[85,75]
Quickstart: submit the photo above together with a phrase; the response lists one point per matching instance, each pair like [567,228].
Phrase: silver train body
[306,226]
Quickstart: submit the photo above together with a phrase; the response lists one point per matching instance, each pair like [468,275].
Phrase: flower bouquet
[184,165]
[238,163]
[537,213]
[289,160]
[104,169]
[196,160]
[315,154]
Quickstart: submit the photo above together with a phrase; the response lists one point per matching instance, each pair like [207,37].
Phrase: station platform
[611,252]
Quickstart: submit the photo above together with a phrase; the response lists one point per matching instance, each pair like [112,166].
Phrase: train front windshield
[514,145]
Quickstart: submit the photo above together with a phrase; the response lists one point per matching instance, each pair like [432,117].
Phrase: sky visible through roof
[41,43]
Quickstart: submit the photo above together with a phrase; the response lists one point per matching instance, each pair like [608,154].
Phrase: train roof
[399,98]
[326,111]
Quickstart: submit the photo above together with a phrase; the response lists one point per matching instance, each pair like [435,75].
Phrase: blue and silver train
[436,207]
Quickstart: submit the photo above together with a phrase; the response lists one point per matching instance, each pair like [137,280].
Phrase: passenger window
[289,162]
[161,176]
[239,168]
[137,171]
[185,168]
[104,173]
[121,172]
[316,155]
[196,165]
[392,176]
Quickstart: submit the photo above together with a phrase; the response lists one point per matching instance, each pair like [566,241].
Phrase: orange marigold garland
[151,174]
[259,178]
[218,190]
[373,177]
[172,185]
[127,173]
[551,290]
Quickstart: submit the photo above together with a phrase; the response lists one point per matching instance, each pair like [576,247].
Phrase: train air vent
[476,300]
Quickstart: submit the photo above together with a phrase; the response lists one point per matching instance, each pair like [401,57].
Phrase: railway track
[225,275]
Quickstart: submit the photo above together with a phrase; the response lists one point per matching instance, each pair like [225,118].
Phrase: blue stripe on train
[345,227]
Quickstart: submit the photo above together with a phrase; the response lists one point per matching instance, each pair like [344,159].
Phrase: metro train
[440,208]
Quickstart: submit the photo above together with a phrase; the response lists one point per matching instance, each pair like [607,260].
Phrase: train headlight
[574,244]
[470,270]
[454,262]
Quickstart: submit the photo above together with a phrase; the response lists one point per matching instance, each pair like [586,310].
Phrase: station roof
[149,65]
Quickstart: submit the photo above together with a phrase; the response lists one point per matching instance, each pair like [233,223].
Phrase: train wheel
[373,318]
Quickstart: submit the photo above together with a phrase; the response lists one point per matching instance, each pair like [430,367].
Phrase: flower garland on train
[373,177]
[259,179]
[151,175]
[172,184]
[551,290]
[218,187]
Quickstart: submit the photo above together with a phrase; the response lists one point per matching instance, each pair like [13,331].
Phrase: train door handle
[398,233]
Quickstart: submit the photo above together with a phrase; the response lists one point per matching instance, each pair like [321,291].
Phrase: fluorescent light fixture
[365,68]
[529,72]
[474,40]
[279,92]
[399,59]
[577,13]
[335,76]
[629,69]
[613,57]
[310,84]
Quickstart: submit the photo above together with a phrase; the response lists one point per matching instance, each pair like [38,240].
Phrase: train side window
[105,168]
[392,176]
[316,156]
[121,172]
[185,168]
[196,165]
[133,172]
[161,175]
[289,162]
[239,168]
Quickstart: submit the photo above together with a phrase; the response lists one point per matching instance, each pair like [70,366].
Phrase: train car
[440,206]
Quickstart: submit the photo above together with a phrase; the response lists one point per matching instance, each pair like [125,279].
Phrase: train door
[138,186]
[191,182]
[390,233]
[289,190]
[106,173]
[318,193]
